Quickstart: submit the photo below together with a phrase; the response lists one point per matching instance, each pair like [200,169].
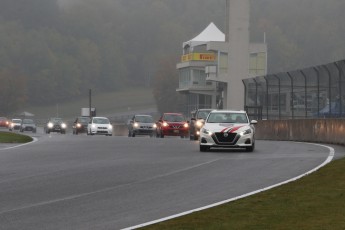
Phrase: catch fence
[315,92]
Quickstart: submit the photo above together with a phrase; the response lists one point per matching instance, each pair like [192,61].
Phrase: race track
[97,182]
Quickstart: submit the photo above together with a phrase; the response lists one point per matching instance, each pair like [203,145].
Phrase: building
[213,64]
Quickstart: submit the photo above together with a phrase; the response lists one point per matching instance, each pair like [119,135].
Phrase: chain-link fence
[315,92]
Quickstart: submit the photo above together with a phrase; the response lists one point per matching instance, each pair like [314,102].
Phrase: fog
[111,44]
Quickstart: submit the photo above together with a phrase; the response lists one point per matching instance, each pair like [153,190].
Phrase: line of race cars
[90,126]
[22,125]
[213,128]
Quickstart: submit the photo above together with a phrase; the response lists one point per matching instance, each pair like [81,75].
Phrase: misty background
[55,50]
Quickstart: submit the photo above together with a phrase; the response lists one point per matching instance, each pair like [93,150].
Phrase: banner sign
[198,57]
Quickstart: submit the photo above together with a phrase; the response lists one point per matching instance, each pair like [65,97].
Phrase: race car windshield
[227,118]
[144,119]
[84,119]
[173,118]
[203,114]
[56,120]
[101,121]
[28,121]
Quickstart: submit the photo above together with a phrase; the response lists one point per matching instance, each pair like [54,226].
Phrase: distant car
[15,124]
[4,122]
[55,124]
[80,125]
[196,122]
[28,125]
[172,124]
[227,129]
[141,125]
[100,125]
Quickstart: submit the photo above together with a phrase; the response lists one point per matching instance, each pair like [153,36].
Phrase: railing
[315,92]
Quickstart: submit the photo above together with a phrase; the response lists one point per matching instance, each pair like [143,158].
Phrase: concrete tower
[237,37]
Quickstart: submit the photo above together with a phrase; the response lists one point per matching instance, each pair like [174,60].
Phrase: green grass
[315,202]
[7,137]
[129,99]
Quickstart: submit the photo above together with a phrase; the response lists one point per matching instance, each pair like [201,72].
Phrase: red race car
[4,122]
[172,124]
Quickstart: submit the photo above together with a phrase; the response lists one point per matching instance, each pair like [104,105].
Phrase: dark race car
[197,121]
[141,125]
[80,125]
[28,125]
[55,125]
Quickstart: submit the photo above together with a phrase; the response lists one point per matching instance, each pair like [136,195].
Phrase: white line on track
[329,159]
[34,139]
[107,189]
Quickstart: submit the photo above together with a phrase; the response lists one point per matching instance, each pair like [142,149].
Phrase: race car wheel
[204,148]
[250,148]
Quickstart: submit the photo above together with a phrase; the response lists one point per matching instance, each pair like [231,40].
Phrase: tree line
[55,50]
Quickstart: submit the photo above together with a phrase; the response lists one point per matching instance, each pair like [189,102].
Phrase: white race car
[100,125]
[227,129]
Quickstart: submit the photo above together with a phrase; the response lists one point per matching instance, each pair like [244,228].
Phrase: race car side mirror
[254,122]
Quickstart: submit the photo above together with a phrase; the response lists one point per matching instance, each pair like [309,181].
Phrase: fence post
[318,90]
[340,70]
[292,95]
[265,77]
[329,89]
[279,108]
[305,94]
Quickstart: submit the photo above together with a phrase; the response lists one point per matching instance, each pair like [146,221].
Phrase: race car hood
[175,122]
[226,127]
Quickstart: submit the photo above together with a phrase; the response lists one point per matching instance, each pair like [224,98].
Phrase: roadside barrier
[330,131]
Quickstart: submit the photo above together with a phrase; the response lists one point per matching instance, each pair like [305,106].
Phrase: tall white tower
[237,36]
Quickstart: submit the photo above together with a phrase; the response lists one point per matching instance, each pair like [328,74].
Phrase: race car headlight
[50,125]
[63,125]
[154,126]
[245,132]
[199,124]
[206,131]
[136,125]
[110,127]
[185,125]
[93,126]
[165,124]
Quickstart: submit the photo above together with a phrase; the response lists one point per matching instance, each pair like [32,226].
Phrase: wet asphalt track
[97,182]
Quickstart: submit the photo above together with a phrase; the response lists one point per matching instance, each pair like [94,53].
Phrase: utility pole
[90,103]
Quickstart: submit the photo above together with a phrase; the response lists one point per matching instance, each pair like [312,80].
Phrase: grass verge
[6,137]
[314,202]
